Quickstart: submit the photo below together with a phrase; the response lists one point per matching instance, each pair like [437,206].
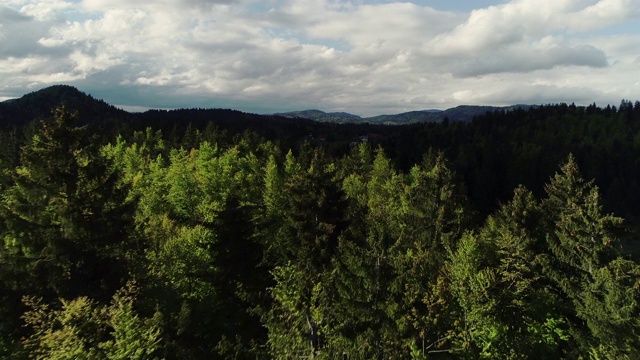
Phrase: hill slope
[39,104]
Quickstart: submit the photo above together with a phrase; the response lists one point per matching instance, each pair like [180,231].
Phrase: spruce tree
[509,310]
[600,288]
[66,220]
[302,250]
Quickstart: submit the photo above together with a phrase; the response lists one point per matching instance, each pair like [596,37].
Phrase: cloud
[360,56]
[105,5]
[20,32]
[395,24]
[46,9]
[8,14]
[528,59]
[533,94]
[603,13]
[523,21]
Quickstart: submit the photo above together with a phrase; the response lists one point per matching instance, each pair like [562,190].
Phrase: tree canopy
[202,242]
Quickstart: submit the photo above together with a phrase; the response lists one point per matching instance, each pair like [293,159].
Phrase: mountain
[463,113]
[408,118]
[317,115]
[109,121]
[38,105]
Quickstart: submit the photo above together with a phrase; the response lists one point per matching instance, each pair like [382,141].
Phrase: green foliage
[310,221]
[69,333]
[243,252]
[66,221]
[611,309]
[509,310]
[295,323]
[194,211]
[82,329]
[132,337]
[387,280]
[580,256]
[582,235]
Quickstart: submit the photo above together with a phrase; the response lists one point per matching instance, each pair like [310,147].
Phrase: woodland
[216,234]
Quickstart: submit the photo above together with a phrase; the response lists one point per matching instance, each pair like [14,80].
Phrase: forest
[200,234]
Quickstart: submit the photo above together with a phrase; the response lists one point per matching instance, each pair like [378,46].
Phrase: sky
[366,57]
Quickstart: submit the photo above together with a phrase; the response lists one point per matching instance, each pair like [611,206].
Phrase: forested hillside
[199,234]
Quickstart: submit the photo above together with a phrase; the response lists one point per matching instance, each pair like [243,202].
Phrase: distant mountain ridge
[318,115]
[38,104]
[462,113]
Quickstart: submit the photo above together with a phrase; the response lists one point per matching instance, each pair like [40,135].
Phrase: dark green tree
[304,246]
[599,286]
[65,222]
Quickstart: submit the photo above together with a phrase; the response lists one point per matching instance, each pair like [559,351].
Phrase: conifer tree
[195,210]
[312,220]
[83,329]
[509,311]
[66,219]
[363,310]
[600,288]
[432,222]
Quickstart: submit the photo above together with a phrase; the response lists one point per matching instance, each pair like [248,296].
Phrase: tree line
[195,243]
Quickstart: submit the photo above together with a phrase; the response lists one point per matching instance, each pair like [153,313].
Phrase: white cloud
[394,25]
[44,10]
[604,13]
[525,21]
[103,5]
[345,55]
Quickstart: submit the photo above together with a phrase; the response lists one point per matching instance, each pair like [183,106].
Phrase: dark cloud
[12,27]
[9,15]
[541,94]
[525,60]
[20,34]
